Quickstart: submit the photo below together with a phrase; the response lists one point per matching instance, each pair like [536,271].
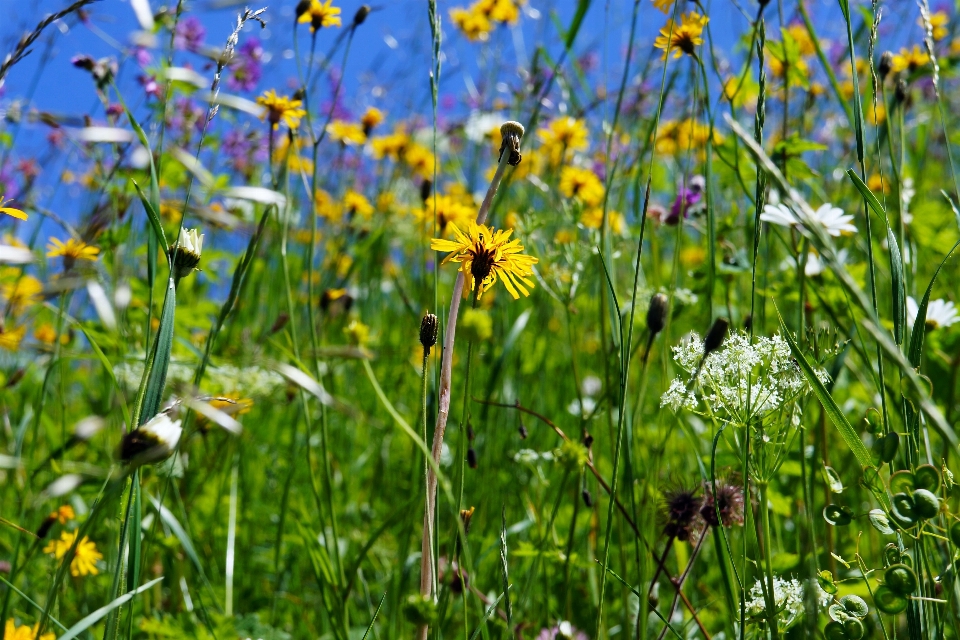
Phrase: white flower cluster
[788,598]
[743,380]
[229,380]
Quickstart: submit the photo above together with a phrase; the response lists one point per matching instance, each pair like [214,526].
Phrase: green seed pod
[925,504]
[853,628]
[901,579]
[888,601]
[955,533]
[834,631]
[903,511]
[855,606]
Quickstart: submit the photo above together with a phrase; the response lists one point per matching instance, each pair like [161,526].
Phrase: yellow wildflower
[582,184]
[85,558]
[347,133]
[23,291]
[473,24]
[564,135]
[910,59]
[938,22]
[12,632]
[450,212]
[277,108]
[296,160]
[390,146]
[682,38]
[370,119]
[593,218]
[10,338]
[321,14]
[663,5]
[63,514]
[485,255]
[420,159]
[71,250]
[11,211]
[357,203]
[564,236]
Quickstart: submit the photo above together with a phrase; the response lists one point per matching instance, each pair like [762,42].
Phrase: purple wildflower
[189,34]
[246,69]
[689,200]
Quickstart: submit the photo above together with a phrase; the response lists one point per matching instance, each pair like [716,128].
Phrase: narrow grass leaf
[100,613]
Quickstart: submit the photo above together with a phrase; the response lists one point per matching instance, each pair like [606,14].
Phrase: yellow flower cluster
[479,19]
[12,632]
[582,184]
[400,147]
[563,137]
[683,135]
[85,558]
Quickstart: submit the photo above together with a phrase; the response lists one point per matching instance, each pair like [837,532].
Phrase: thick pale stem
[427,586]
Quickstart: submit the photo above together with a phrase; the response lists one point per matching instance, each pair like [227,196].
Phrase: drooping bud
[429,327]
[715,336]
[587,498]
[186,252]
[900,95]
[886,64]
[361,15]
[426,188]
[152,442]
[511,132]
[657,314]
[472,457]
[467,515]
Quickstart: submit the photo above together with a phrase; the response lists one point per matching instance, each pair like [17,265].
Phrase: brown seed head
[429,327]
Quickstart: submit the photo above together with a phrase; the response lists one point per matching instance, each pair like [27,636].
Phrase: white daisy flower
[940,313]
[834,221]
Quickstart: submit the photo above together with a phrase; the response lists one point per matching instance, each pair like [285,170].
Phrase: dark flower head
[681,509]
[727,508]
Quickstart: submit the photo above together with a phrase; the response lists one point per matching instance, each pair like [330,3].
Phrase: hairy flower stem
[443,410]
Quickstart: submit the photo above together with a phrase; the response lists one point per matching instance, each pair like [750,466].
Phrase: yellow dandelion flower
[564,236]
[390,146]
[347,133]
[23,292]
[593,219]
[664,5]
[357,203]
[473,24]
[684,37]
[563,136]
[486,254]
[910,59]
[449,211]
[371,118]
[503,11]
[63,514]
[46,334]
[801,36]
[11,211]
[938,21]
[277,108]
[71,250]
[321,14]
[421,160]
[297,161]
[10,339]
[582,184]
[85,558]
[12,632]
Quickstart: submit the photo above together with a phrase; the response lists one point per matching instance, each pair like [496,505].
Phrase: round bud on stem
[185,254]
[886,64]
[901,93]
[512,132]
[361,15]
[715,336]
[657,314]
[429,328]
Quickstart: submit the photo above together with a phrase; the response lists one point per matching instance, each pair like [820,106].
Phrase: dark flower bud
[467,515]
[587,440]
[429,327]
[657,314]
[748,322]
[470,434]
[45,526]
[587,498]
[361,15]
[886,64]
[472,457]
[426,188]
[715,336]
[301,9]
[523,432]
[900,95]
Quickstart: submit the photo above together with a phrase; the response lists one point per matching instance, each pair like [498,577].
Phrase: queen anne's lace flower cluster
[741,381]
[788,597]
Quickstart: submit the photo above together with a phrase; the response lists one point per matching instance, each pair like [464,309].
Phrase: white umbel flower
[940,313]
[152,442]
[833,220]
[788,598]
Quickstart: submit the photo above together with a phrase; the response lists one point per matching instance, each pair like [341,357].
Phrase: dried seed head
[657,314]
[728,502]
[681,509]
[587,498]
[715,336]
[886,64]
[512,132]
[426,188]
[472,457]
[429,327]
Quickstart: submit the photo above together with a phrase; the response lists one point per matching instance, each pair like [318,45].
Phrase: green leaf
[880,522]
[839,420]
[375,614]
[155,374]
[920,324]
[154,216]
[99,614]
